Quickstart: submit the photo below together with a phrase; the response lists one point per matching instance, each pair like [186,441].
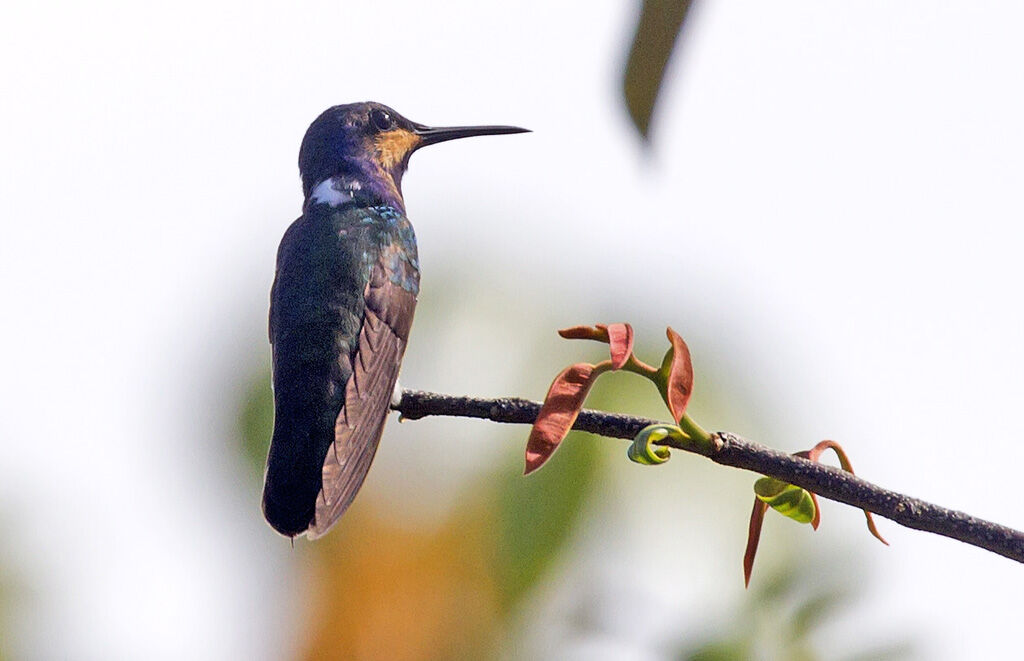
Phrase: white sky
[830,214]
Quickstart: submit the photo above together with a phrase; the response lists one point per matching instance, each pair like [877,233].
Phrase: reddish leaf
[815,453]
[561,407]
[873,528]
[816,521]
[620,337]
[598,333]
[680,375]
[753,537]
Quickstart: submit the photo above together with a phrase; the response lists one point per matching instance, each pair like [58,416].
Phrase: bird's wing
[316,309]
[375,363]
[341,308]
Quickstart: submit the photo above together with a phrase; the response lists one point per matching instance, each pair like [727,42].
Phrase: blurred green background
[821,197]
[469,584]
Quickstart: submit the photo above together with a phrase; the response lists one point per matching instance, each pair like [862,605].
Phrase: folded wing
[375,364]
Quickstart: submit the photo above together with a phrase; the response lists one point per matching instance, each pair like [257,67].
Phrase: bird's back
[343,300]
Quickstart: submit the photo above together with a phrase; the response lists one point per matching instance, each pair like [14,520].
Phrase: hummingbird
[341,307]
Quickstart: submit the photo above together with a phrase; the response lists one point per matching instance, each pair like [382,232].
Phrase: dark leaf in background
[656,32]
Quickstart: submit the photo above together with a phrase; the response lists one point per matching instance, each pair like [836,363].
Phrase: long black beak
[432,135]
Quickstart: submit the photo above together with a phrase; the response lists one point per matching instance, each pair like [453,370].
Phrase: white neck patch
[334,191]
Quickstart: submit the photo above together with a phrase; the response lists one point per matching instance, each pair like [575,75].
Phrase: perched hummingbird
[341,308]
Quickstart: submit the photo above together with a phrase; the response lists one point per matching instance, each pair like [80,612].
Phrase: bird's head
[365,148]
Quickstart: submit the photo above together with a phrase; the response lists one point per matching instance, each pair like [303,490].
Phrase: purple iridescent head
[364,148]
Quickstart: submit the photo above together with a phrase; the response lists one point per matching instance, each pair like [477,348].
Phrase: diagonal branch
[732,450]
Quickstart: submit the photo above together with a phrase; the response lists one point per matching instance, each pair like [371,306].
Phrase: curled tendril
[643,449]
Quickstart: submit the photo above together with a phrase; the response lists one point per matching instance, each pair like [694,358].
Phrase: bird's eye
[381,120]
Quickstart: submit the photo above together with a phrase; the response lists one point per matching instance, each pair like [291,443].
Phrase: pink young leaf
[816,521]
[620,337]
[558,413]
[598,333]
[680,375]
[815,453]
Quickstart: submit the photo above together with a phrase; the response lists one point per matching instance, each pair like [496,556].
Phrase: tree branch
[732,450]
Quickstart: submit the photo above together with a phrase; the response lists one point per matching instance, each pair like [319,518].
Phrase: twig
[732,450]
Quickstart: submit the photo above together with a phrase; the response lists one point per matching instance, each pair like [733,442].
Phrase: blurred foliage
[460,587]
[783,614]
[256,421]
[379,591]
[657,32]
[454,588]
[537,514]
[451,588]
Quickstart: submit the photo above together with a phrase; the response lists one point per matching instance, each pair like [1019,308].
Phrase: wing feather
[359,424]
[341,307]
